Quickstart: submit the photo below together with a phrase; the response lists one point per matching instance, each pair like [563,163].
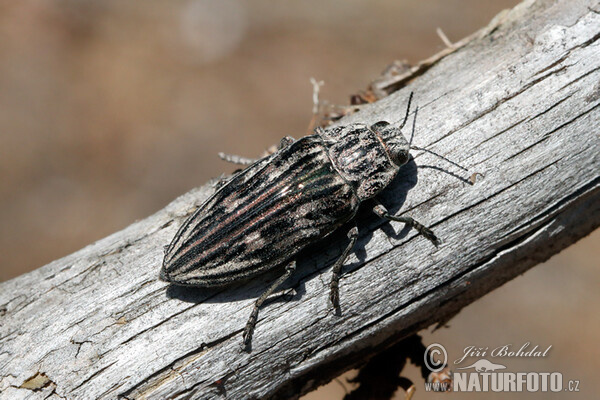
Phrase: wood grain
[517,105]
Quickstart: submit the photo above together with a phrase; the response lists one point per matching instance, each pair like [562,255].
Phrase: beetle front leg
[382,212]
[334,294]
[251,324]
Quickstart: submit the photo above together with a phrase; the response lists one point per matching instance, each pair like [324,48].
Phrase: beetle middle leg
[251,324]
[382,212]
[334,294]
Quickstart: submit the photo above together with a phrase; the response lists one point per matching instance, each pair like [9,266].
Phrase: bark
[517,104]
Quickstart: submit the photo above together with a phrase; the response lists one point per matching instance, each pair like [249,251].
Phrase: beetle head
[395,143]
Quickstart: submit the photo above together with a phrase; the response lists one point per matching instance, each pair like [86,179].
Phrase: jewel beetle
[265,214]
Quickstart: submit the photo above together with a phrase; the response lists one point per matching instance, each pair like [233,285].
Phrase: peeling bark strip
[518,104]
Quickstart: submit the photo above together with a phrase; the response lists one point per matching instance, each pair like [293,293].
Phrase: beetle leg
[220,181]
[286,140]
[249,329]
[234,159]
[382,212]
[334,294]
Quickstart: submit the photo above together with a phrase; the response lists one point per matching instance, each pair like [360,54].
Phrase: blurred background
[110,109]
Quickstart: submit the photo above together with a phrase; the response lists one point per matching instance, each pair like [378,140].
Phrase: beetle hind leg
[334,294]
[285,141]
[382,212]
[235,159]
[239,160]
[251,324]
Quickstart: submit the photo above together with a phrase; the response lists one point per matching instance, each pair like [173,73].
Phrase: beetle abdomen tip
[163,276]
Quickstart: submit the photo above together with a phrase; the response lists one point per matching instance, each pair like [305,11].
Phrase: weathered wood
[518,104]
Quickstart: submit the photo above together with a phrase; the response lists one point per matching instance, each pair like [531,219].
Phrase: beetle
[266,213]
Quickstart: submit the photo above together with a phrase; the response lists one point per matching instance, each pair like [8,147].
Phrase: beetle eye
[399,154]
[397,146]
[398,149]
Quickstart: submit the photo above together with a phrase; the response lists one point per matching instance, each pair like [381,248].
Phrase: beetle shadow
[393,198]
[290,290]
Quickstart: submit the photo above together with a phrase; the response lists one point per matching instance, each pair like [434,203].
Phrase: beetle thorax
[359,154]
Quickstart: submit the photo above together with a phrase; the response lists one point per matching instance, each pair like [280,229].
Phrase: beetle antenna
[412,135]
[407,110]
[440,156]
[412,132]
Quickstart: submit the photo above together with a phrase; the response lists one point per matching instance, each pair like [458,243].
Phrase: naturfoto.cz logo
[489,376]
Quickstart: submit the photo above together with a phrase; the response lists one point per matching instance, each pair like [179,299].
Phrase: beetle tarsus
[334,294]
[249,328]
[420,228]
[235,159]
[239,160]
[285,141]
[251,324]
[382,212]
